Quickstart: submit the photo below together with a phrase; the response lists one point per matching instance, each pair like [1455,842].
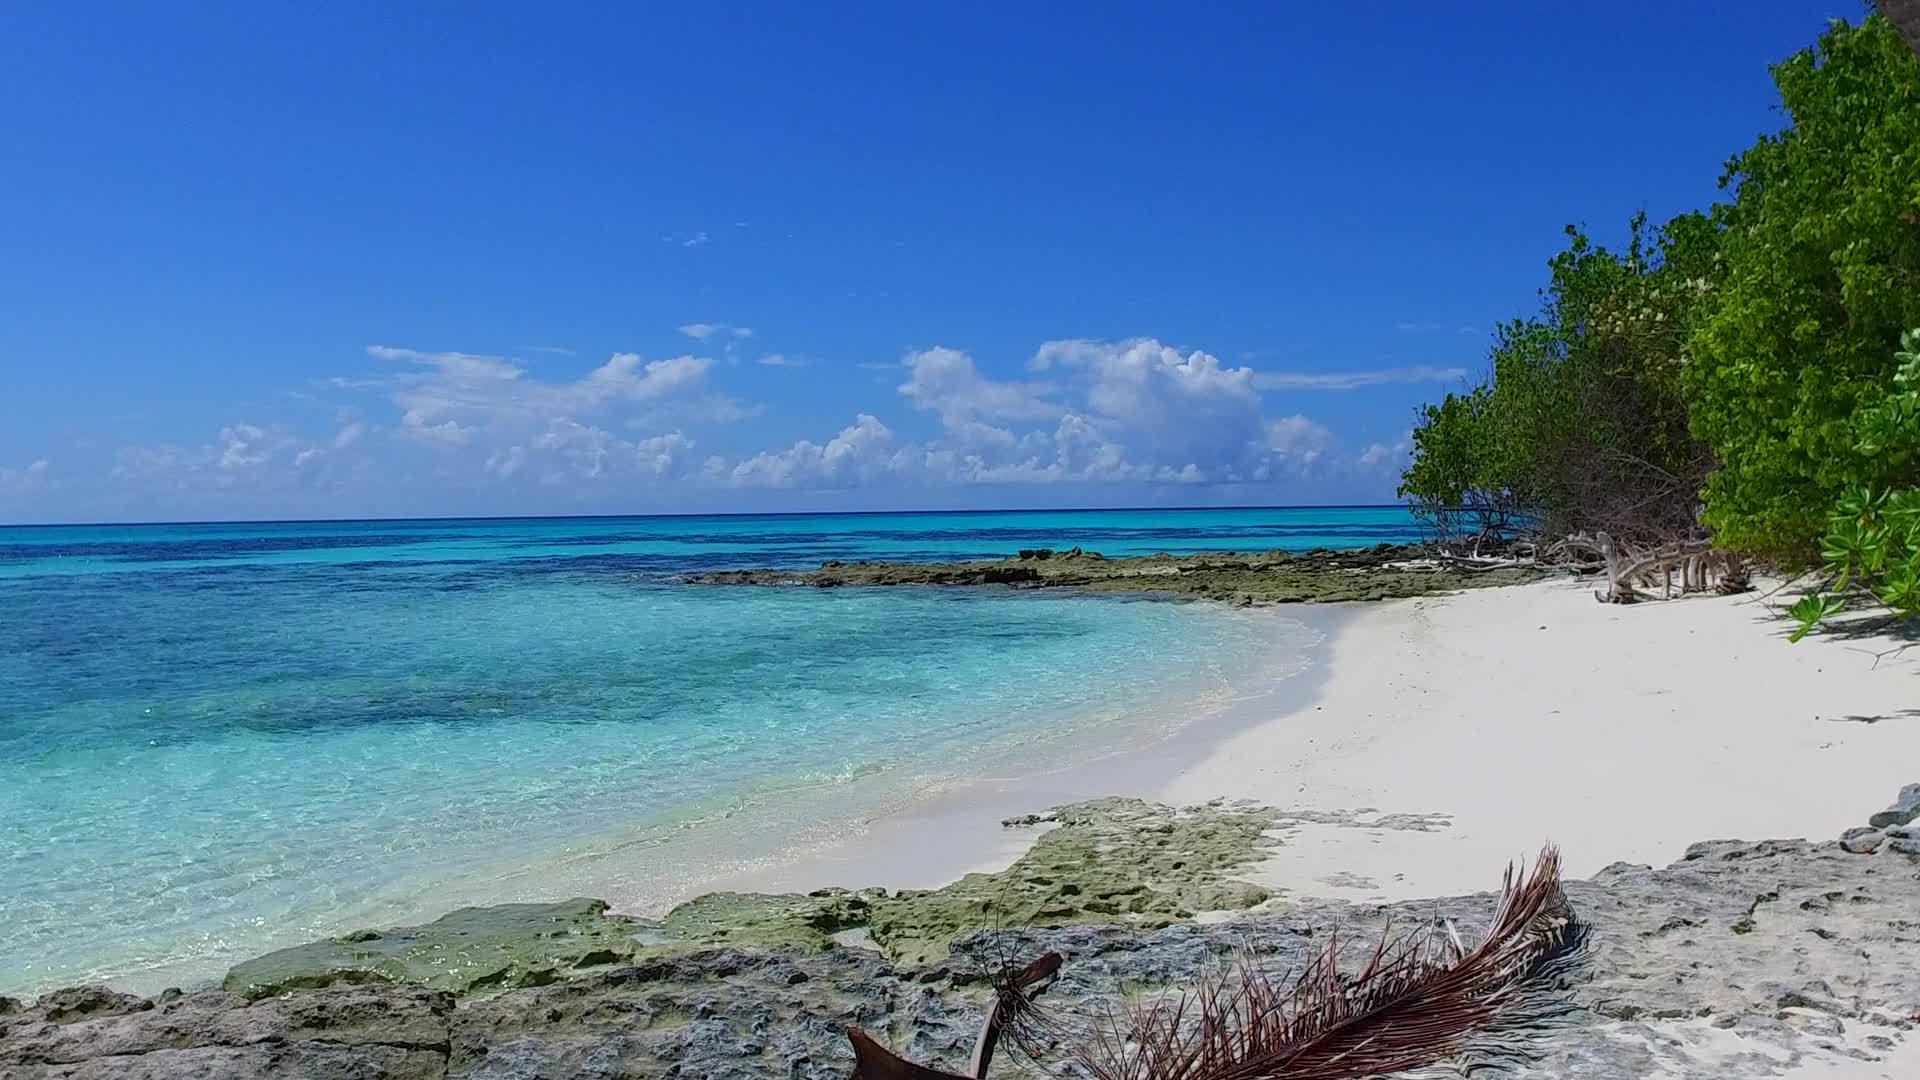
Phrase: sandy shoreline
[1433,740]
[1132,759]
[1529,713]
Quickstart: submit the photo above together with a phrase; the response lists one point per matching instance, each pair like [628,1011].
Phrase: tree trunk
[1905,16]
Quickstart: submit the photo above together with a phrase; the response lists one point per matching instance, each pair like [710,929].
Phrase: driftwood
[1634,573]
[1422,997]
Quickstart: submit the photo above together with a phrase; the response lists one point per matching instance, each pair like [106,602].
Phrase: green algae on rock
[769,920]
[1110,861]
[468,950]
[1121,862]
[1384,572]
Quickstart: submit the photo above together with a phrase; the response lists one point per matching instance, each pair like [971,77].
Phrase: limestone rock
[1904,810]
[1862,840]
[474,948]
[1826,967]
[1272,577]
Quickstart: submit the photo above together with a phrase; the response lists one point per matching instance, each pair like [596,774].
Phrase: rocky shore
[1742,959]
[1384,572]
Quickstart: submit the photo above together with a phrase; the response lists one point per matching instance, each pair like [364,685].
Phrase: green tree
[1872,542]
[1820,252]
[1580,425]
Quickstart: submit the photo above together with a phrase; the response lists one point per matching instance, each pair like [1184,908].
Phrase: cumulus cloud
[1298,437]
[568,452]
[859,452]
[1386,456]
[1353,380]
[1099,412]
[1073,412]
[947,381]
[460,392]
[1174,407]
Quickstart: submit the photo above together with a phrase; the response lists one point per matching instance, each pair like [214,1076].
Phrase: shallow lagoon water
[218,739]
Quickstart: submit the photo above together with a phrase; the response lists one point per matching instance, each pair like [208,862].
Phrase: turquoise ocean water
[218,739]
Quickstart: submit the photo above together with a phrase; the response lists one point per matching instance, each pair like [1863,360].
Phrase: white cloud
[861,451]
[662,454]
[1353,380]
[241,456]
[243,446]
[1298,438]
[444,433]
[1133,411]
[461,392]
[504,463]
[25,480]
[1078,412]
[1169,406]
[569,451]
[947,382]
[701,331]
[1379,455]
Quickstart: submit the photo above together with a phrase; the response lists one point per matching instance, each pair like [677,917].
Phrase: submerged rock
[1383,572]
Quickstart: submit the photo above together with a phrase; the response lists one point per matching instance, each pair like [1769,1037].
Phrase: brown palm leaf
[1013,1002]
[1422,997]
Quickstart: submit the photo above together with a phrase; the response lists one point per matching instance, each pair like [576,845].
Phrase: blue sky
[378,260]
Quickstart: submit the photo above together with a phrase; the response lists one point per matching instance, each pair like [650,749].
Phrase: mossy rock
[469,950]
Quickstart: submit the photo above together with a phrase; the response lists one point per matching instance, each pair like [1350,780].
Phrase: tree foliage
[1579,425]
[1728,368]
[1821,254]
[1872,542]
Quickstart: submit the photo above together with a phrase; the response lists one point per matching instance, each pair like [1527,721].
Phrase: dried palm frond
[1421,998]
[1012,1005]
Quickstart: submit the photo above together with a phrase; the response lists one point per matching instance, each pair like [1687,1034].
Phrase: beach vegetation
[1871,546]
[1728,384]
[1580,425]
[1820,250]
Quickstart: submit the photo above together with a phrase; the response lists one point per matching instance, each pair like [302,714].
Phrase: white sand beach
[1499,718]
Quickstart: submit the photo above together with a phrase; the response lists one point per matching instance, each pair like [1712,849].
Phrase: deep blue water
[216,739]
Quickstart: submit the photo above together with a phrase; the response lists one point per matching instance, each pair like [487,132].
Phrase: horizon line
[730,514]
